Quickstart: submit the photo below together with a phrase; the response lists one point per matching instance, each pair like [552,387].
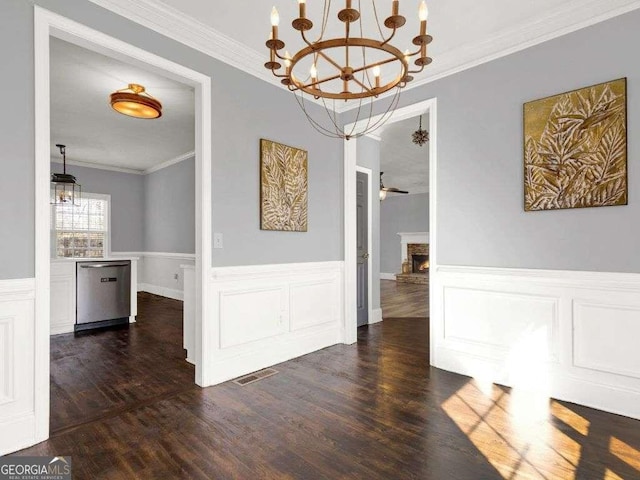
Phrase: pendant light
[420,136]
[65,190]
[384,190]
[134,101]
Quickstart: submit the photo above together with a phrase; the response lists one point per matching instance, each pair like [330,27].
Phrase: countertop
[106,259]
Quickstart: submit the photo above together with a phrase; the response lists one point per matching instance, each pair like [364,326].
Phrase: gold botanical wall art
[283,187]
[575,149]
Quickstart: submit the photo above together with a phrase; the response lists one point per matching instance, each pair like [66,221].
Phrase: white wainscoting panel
[267,314]
[247,315]
[17,352]
[597,342]
[571,335]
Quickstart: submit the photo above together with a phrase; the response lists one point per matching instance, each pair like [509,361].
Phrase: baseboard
[271,352]
[387,276]
[17,433]
[376,316]
[567,334]
[161,291]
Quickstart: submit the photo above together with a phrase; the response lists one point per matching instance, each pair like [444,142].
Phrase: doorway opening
[351,292]
[50,30]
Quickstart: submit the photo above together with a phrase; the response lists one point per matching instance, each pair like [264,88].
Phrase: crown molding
[99,166]
[113,168]
[168,163]
[571,16]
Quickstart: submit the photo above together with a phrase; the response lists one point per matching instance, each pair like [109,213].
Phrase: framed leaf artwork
[283,187]
[575,149]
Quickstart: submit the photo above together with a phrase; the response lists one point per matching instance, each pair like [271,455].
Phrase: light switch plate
[217,240]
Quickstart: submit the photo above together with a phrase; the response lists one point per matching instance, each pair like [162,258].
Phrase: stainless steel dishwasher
[103,293]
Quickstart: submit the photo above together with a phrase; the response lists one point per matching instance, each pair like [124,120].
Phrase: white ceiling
[405,164]
[466,32]
[82,119]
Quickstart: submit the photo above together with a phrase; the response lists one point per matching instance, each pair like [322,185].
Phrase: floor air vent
[254,377]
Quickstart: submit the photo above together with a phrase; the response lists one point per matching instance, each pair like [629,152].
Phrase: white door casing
[48,24]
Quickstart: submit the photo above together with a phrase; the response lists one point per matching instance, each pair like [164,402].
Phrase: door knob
[365,255]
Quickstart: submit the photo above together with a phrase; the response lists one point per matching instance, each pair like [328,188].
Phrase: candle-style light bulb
[313,71]
[302,4]
[423,11]
[407,55]
[287,60]
[376,74]
[275,17]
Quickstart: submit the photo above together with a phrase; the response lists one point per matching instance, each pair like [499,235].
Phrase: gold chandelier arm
[304,37]
[329,59]
[320,81]
[363,85]
[417,71]
[393,34]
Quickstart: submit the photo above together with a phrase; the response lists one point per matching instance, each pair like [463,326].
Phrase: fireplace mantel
[411,237]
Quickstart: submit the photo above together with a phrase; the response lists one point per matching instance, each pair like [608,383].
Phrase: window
[82,231]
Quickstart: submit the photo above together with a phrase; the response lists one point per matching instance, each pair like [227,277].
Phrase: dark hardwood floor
[403,299]
[374,410]
[108,371]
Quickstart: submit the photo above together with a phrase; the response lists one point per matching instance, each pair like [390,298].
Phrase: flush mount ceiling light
[384,190]
[420,136]
[134,101]
[65,190]
[351,65]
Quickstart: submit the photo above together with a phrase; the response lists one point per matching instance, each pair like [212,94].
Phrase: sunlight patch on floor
[513,431]
[625,452]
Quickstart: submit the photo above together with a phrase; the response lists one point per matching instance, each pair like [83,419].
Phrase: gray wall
[169,209]
[402,213]
[244,110]
[127,203]
[480,215]
[368,155]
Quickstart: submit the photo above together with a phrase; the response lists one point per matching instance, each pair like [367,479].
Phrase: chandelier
[348,68]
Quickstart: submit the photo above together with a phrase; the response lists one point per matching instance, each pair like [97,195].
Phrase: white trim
[350,154]
[168,163]
[47,23]
[181,256]
[376,316]
[19,288]
[569,17]
[369,173]
[99,166]
[161,291]
[255,272]
[388,276]
[133,171]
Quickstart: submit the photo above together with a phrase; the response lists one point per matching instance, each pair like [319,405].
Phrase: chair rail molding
[569,335]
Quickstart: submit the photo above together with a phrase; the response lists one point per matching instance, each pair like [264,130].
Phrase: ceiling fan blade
[394,190]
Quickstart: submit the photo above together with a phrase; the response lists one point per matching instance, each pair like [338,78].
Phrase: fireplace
[420,264]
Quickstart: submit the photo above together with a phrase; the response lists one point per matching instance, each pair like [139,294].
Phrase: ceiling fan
[384,190]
